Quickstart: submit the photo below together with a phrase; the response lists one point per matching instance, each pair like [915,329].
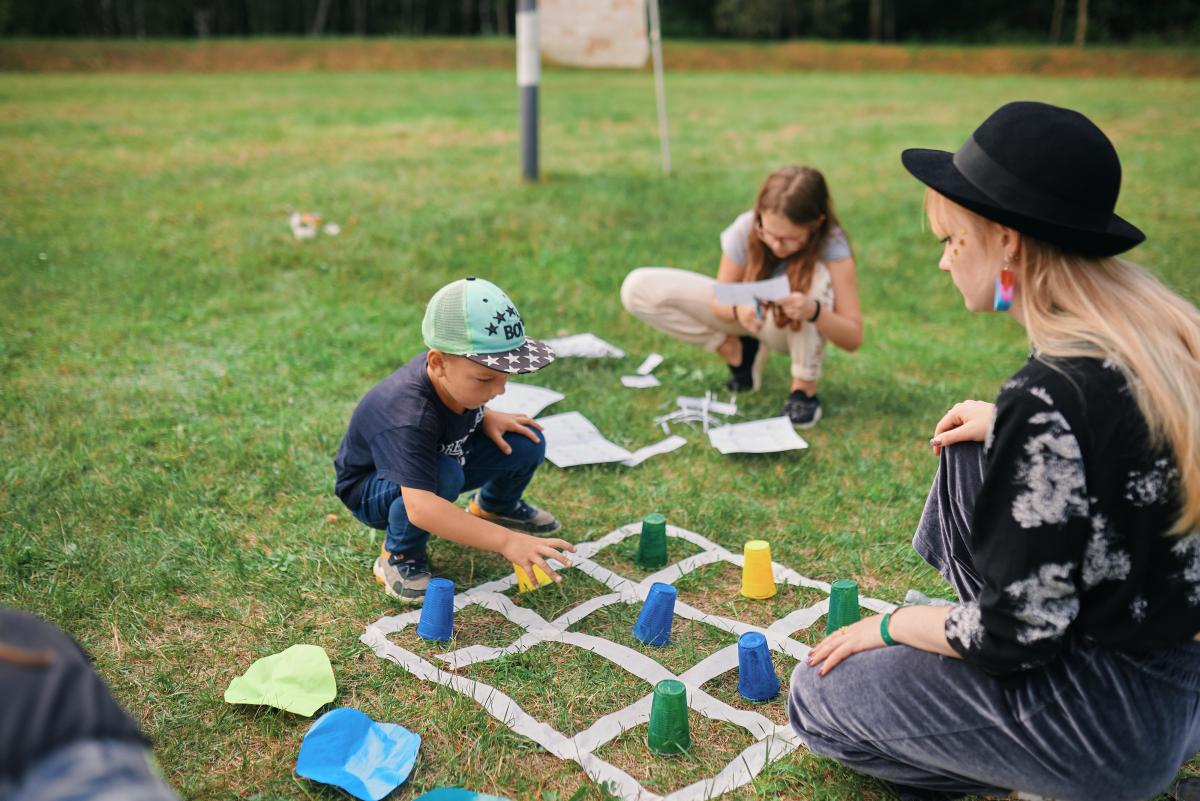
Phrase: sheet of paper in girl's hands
[639,381]
[587,346]
[757,436]
[747,293]
[524,399]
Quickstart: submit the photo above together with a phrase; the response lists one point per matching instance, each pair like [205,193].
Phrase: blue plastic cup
[653,625]
[756,672]
[437,613]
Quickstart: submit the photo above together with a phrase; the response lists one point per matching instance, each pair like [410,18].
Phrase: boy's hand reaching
[496,424]
[528,550]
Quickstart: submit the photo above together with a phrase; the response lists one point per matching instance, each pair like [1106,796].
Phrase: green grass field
[177,370]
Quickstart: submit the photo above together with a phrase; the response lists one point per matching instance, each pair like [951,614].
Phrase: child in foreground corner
[422,436]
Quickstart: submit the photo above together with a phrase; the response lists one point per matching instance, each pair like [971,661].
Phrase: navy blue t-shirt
[398,430]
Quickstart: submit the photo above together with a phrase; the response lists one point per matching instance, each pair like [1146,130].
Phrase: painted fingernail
[935,441]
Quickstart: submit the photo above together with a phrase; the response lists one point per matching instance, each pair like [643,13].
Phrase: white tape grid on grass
[771,741]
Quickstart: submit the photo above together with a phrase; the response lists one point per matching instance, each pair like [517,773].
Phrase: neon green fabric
[298,680]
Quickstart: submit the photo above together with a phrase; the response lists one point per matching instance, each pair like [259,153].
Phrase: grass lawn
[177,370]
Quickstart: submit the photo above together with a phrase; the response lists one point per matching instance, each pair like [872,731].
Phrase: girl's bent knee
[639,290]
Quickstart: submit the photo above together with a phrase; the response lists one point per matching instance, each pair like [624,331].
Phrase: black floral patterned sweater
[1070,527]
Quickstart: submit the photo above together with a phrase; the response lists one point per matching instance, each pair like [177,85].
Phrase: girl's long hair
[800,194]
[1110,308]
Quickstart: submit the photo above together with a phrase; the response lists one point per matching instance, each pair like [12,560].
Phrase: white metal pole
[656,54]
[529,68]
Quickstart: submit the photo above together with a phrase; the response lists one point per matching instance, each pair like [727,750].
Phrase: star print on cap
[473,317]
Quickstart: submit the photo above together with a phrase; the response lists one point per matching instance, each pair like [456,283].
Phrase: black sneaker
[403,578]
[803,410]
[747,376]
[522,517]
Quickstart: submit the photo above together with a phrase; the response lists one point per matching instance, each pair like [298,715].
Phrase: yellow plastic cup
[523,582]
[758,581]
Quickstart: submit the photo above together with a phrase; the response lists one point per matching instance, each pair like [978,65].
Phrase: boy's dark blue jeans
[501,480]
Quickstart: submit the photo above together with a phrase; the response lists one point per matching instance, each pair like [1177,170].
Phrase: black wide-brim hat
[1045,171]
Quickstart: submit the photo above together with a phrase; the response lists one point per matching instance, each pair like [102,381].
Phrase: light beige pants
[676,302]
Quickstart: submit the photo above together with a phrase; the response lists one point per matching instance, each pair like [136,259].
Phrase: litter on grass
[757,436]
[585,346]
[298,680]
[347,749]
[572,439]
[524,399]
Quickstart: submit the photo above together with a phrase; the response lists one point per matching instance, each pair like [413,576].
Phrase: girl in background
[792,230]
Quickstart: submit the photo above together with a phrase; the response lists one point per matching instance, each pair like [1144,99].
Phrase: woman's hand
[747,317]
[965,422]
[496,424]
[527,550]
[846,641]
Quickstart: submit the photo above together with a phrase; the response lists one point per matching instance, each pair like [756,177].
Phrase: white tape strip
[772,741]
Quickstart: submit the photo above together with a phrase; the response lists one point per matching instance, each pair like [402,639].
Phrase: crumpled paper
[347,749]
[298,680]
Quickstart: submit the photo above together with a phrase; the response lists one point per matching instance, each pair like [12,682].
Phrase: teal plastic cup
[669,733]
[843,605]
[652,544]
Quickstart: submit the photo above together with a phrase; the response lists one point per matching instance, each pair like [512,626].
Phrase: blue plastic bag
[347,749]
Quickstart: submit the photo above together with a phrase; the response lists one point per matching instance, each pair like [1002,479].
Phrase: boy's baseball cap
[474,318]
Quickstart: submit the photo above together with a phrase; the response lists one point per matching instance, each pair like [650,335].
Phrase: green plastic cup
[652,544]
[669,734]
[843,605]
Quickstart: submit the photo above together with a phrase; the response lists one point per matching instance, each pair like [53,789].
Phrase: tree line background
[980,21]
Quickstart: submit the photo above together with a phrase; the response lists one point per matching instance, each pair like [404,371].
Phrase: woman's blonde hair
[1076,306]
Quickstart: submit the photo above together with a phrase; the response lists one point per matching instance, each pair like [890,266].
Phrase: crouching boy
[422,436]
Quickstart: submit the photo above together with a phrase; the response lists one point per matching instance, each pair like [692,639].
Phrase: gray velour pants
[1093,725]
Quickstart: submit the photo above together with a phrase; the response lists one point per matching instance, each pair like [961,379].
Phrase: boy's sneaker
[747,376]
[521,517]
[803,410]
[403,579]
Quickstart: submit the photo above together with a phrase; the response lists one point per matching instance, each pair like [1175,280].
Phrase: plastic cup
[437,613]
[668,732]
[652,544]
[525,584]
[758,581]
[843,605]
[756,672]
[653,625]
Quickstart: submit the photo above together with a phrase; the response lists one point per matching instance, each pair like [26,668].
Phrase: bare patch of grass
[715,744]
[562,685]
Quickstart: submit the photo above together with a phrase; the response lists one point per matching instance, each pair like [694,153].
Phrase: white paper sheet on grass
[745,293]
[772,741]
[572,439]
[524,399]
[639,381]
[652,361]
[757,436]
[588,346]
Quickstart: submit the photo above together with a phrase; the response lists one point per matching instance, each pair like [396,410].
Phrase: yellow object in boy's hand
[523,582]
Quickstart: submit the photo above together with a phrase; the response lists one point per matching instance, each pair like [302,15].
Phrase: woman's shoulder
[837,245]
[1083,392]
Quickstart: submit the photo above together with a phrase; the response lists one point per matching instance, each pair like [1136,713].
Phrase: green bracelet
[883,630]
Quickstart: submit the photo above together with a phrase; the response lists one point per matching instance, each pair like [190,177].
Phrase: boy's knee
[525,450]
[449,478]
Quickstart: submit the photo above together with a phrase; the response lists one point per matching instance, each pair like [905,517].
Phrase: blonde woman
[1066,517]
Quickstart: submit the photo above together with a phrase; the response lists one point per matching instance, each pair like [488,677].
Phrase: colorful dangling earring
[1003,298]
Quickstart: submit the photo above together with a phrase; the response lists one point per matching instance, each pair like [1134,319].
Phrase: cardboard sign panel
[594,33]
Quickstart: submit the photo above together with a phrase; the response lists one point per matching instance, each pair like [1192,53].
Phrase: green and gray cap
[474,318]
